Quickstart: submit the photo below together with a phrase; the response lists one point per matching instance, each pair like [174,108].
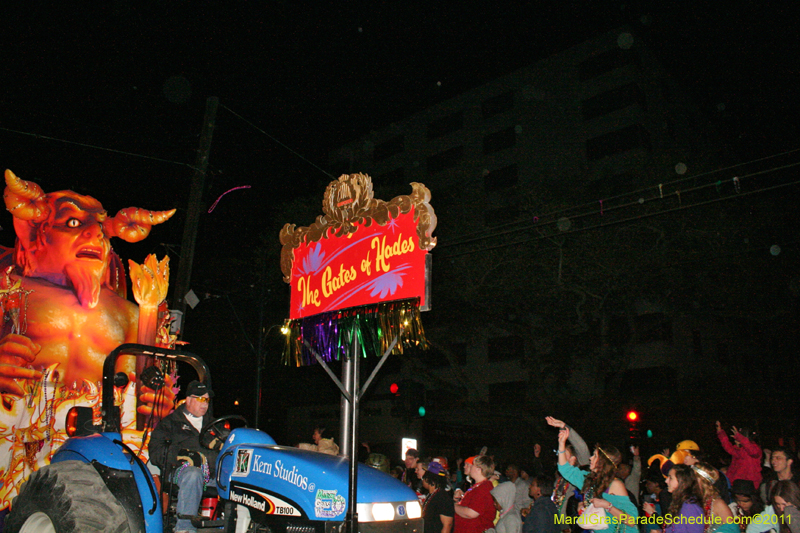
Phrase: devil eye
[73,223]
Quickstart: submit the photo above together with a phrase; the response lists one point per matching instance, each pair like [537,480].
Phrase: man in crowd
[176,449]
[541,518]
[410,473]
[521,498]
[475,511]
[631,475]
[781,461]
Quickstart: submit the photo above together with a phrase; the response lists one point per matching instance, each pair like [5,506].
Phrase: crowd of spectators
[611,489]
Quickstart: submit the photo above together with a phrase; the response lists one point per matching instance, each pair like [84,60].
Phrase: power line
[602,211]
[626,220]
[95,147]
[489,233]
[240,117]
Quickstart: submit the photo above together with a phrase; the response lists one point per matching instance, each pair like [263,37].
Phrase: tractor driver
[176,449]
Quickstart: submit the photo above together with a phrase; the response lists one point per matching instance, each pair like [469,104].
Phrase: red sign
[368,266]
[362,252]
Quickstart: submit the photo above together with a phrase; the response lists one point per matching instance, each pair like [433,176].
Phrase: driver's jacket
[175,433]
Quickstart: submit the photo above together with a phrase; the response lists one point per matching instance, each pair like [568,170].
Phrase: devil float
[64,304]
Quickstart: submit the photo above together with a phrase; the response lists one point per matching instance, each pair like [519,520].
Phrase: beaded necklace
[475,486]
[427,499]
[588,496]
[203,467]
[707,513]
[560,493]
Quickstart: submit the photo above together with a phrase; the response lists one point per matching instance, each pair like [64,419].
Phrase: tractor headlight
[413,509]
[387,511]
[382,512]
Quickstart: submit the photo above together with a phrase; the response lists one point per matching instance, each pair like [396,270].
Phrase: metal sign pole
[352,508]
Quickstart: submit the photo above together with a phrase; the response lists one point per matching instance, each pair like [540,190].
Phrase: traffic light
[408,399]
[633,425]
[397,400]
[415,401]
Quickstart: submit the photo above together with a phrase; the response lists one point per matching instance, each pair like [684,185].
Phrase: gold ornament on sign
[349,203]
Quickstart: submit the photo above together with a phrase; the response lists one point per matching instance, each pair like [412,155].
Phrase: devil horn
[24,199]
[133,224]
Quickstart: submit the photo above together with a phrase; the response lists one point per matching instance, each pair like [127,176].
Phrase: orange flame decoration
[32,438]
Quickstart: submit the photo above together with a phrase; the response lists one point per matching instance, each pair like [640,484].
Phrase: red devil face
[63,237]
[71,237]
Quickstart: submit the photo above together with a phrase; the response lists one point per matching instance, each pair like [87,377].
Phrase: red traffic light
[633,416]
[394,388]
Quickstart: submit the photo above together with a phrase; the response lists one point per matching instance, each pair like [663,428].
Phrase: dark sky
[132,76]
[124,76]
[323,72]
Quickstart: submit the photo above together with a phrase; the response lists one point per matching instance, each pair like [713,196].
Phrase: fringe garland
[330,334]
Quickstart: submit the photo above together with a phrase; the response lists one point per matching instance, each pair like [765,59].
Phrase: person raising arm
[600,485]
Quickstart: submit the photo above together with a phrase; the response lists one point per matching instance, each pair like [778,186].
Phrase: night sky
[126,82]
[297,79]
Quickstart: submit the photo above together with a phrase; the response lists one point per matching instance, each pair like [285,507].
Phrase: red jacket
[745,461]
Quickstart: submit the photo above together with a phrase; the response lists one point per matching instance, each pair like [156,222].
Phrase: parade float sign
[364,262]
[63,299]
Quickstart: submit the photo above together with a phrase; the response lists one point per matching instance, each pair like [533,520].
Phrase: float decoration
[361,268]
[64,306]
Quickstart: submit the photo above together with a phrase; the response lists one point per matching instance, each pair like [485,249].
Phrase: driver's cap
[198,388]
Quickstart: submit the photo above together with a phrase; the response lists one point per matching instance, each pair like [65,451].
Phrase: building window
[509,348]
[388,148]
[606,62]
[499,140]
[444,160]
[653,327]
[613,100]
[501,215]
[508,394]
[629,138]
[657,378]
[697,344]
[619,331]
[615,185]
[723,353]
[500,179]
[443,126]
[497,104]
[459,349]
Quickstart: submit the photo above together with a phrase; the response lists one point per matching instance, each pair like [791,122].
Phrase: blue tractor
[96,483]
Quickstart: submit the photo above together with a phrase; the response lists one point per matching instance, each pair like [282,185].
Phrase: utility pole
[182,282]
[261,339]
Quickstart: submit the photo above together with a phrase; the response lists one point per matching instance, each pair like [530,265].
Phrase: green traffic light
[649,433]
[421,411]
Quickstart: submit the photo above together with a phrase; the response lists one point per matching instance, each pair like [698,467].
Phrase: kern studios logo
[244,457]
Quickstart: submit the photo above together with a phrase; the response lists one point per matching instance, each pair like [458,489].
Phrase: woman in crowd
[600,487]
[746,502]
[716,513]
[437,508]
[745,455]
[564,493]
[786,502]
[509,521]
[684,512]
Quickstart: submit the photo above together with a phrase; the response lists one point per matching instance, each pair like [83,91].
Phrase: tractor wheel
[66,497]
